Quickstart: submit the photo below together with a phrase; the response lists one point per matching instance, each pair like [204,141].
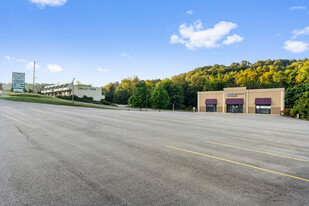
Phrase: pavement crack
[102,192]
[32,141]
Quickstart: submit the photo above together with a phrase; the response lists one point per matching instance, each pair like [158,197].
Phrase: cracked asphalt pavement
[60,155]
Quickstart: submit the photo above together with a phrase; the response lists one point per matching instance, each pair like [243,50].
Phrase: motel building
[242,100]
[80,91]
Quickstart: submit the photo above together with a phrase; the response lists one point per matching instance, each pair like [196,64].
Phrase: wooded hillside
[293,75]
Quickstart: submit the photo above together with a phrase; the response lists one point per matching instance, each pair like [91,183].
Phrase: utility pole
[73,91]
[33,76]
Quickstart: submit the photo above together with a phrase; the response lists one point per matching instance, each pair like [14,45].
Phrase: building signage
[87,88]
[18,82]
[233,94]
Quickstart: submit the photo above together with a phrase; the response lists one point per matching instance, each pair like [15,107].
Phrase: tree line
[181,90]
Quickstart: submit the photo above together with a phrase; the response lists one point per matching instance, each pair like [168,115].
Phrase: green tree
[292,94]
[303,73]
[110,91]
[139,95]
[125,89]
[159,98]
[302,105]
[174,90]
[182,89]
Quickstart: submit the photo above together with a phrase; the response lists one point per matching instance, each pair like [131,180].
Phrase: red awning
[235,101]
[262,100]
[211,101]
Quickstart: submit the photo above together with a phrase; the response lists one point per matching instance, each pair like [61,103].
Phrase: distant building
[242,100]
[80,91]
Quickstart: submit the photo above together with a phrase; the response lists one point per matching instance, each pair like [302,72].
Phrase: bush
[86,99]
[287,112]
[182,107]
[103,101]
[293,112]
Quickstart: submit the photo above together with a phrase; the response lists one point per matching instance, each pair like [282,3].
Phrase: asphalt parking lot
[59,155]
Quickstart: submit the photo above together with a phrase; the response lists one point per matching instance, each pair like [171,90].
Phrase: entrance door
[234,108]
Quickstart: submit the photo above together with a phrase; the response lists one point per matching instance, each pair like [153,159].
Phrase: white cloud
[21,60]
[176,39]
[54,68]
[194,36]
[233,39]
[14,59]
[298,32]
[43,3]
[298,8]
[296,46]
[190,12]
[30,65]
[10,59]
[125,55]
[102,70]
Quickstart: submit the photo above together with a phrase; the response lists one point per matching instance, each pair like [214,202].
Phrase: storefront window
[262,108]
[234,108]
[211,108]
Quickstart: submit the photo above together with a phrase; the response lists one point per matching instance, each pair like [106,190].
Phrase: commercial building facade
[80,91]
[242,100]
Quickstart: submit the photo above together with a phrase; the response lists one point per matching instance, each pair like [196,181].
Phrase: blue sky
[101,41]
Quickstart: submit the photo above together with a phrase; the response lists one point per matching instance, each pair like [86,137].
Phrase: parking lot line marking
[238,163]
[253,150]
[18,121]
[260,135]
[279,145]
[60,120]
[78,125]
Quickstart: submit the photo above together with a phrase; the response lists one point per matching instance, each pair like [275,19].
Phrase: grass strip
[48,100]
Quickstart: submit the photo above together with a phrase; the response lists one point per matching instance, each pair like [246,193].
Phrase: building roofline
[241,88]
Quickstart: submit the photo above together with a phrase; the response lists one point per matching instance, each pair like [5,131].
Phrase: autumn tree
[182,89]
[78,83]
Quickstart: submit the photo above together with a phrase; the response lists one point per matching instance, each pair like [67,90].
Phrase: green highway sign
[18,82]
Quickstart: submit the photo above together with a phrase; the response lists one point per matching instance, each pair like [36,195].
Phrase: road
[60,155]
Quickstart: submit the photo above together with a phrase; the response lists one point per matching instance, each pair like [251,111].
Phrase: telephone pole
[33,76]
[73,91]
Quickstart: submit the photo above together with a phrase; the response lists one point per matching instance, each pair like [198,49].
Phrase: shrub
[294,112]
[103,101]
[86,99]
[286,112]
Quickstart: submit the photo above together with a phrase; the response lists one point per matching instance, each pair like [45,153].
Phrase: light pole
[73,91]
[33,76]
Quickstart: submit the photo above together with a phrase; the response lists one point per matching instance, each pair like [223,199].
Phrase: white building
[80,91]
